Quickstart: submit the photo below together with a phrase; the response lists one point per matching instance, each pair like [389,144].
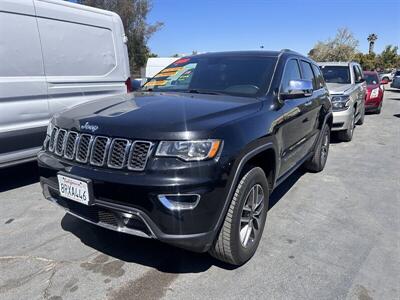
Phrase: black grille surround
[100,151]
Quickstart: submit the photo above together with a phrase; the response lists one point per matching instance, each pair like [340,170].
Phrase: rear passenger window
[308,73]
[319,79]
[292,72]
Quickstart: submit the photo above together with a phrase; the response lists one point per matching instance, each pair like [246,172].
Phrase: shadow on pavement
[396,115]
[153,253]
[18,176]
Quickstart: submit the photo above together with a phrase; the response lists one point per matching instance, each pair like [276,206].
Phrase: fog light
[179,201]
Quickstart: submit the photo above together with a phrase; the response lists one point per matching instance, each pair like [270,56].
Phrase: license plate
[74,189]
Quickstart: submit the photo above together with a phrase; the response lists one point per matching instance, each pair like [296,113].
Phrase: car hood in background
[157,115]
[339,88]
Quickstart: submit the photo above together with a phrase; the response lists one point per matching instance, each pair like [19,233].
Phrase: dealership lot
[333,235]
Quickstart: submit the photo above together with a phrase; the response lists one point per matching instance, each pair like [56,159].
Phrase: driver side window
[292,72]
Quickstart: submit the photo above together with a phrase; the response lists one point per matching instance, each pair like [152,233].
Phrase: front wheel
[347,135]
[244,222]
[362,117]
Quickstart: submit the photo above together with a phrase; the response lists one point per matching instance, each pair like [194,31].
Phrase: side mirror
[298,89]
[384,81]
[360,80]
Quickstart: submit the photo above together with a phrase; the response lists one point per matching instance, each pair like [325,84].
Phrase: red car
[374,97]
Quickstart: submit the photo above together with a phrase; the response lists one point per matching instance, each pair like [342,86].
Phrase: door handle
[305,120]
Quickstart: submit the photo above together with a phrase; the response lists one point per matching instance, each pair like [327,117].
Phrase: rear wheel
[318,160]
[347,135]
[244,222]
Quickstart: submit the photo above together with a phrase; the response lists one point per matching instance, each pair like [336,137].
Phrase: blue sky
[217,25]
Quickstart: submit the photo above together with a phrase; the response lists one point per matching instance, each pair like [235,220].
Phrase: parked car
[348,89]
[192,159]
[386,77]
[54,55]
[375,90]
[396,81]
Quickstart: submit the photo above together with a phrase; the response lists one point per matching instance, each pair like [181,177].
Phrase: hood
[370,87]
[339,88]
[157,115]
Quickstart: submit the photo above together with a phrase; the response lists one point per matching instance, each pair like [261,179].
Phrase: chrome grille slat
[70,144]
[139,154]
[60,142]
[98,153]
[101,151]
[118,153]
[52,139]
[83,148]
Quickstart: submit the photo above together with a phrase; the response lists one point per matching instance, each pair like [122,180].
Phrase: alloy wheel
[250,220]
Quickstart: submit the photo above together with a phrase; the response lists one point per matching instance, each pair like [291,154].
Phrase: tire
[237,243]
[347,135]
[318,160]
[362,117]
[379,109]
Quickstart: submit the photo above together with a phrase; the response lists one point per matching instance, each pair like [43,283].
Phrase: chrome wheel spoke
[250,220]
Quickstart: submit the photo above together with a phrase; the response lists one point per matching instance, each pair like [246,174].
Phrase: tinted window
[228,74]
[308,73]
[318,77]
[371,78]
[397,73]
[336,74]
[292,72]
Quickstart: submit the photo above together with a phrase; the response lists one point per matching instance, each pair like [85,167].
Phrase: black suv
[192,158]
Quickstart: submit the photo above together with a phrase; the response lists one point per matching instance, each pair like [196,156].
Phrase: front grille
[107,217]
[100,150]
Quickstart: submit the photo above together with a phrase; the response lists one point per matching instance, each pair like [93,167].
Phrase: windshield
[371,78]
[234,75]
[336,74]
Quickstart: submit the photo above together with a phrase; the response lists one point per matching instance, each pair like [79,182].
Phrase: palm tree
[371,39]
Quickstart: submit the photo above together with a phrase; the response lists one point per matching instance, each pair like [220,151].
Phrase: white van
[156,64]
[53,55]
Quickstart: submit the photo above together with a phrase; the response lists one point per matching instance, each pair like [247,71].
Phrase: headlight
[340,102]
[374,93]
[189,150]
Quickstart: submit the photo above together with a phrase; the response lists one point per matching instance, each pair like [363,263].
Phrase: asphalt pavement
[331,235]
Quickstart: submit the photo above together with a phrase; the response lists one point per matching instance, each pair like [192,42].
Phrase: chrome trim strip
[106,147]
[151,147]
[178,206]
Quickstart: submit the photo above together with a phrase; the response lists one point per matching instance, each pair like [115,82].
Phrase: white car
[387,76]
[54,55]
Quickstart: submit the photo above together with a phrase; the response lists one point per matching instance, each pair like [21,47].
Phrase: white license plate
[73,189]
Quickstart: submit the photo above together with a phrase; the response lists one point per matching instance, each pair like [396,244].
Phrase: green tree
[133,14]
[389,58]
[343,47]
[367,61]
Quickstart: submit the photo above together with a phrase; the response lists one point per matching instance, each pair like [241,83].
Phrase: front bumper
[342,119]
[127,201]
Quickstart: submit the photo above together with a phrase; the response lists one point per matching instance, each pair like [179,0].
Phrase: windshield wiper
[196,91]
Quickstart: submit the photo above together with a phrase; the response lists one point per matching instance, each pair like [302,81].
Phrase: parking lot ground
[332,235]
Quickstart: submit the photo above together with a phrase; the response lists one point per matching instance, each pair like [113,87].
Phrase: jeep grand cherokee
[192,158]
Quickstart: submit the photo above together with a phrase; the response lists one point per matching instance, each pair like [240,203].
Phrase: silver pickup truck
[347,87]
